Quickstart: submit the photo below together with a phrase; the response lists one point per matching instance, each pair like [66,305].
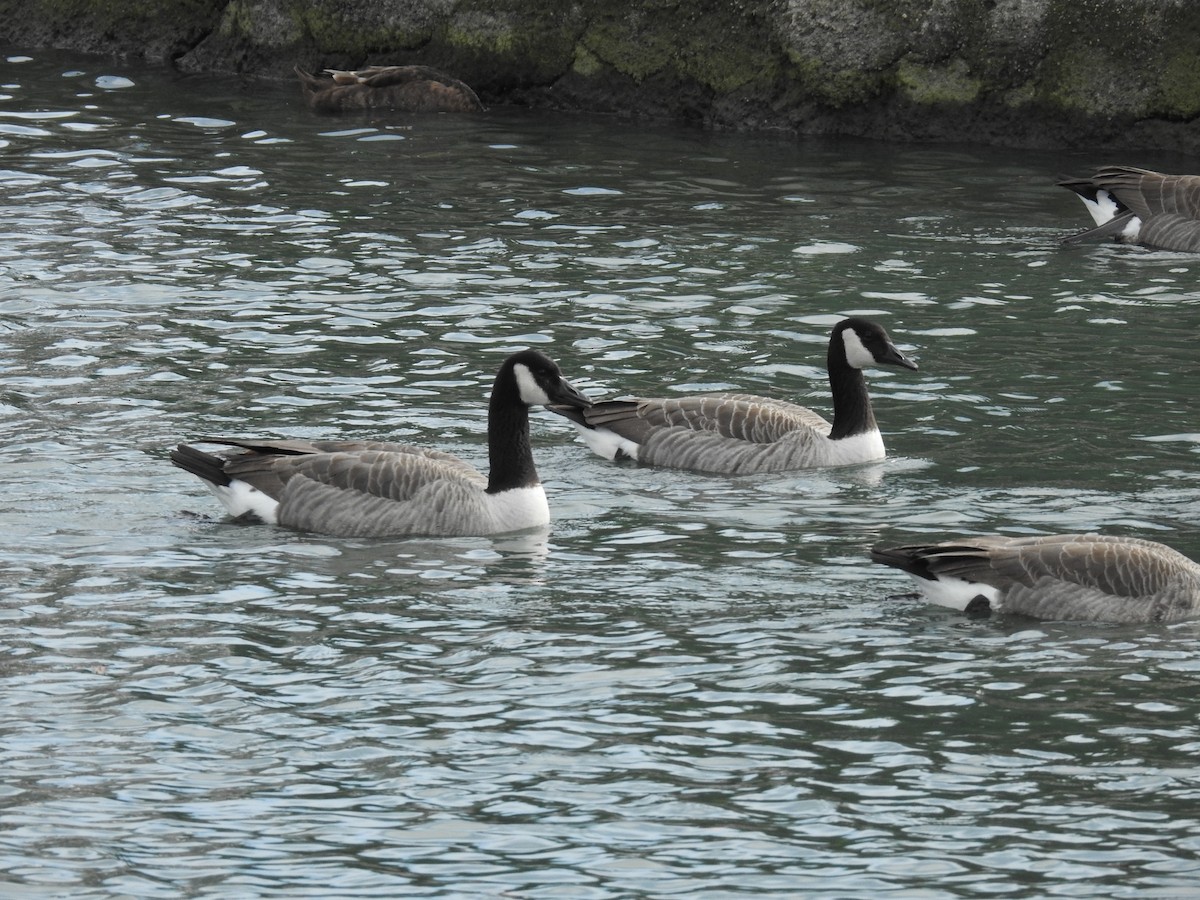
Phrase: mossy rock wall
[1023,72]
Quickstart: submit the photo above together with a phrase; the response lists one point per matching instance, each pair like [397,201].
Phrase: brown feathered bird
[377,489]
[1083,577]
[399,88]
[1137,206]
[741,434]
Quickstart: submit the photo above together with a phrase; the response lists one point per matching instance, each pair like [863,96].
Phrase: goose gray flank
[381,489]
[1082,577]
[732,433]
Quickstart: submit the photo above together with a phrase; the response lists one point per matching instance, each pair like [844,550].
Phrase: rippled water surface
[690,685]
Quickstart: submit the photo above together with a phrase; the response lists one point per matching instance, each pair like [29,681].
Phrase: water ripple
[687,684]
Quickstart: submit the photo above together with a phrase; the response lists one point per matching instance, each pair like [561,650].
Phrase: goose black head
[539,381]
[865,343]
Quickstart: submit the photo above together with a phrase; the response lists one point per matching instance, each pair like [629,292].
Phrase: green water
[689,685]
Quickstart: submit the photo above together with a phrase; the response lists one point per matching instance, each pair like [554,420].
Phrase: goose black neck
[852,413]
[510,456]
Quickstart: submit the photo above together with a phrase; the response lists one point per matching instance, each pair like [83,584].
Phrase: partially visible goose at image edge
[733,434]
[380,489]
[1079,577]
[415,89]
[1138,206]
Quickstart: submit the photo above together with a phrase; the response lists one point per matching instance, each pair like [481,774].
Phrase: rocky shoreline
[1035,73]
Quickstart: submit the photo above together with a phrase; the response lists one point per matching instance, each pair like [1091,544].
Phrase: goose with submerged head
[380,489]
[1083,577]
[1138,206]
[734,434]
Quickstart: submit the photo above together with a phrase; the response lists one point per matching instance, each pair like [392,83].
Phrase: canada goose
[1087,577]
[737,434]
[378,489]
[400,88]
[1137,206]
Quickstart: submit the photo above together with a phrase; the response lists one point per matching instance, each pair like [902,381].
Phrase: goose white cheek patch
[856,354]
[531,392]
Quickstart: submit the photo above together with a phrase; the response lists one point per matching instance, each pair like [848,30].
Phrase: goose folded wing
[1108,231]
[1115,567]
[394,473]
[1149,193]
[740,417]
[1104,579]
[1172,231]
[261,450]
[388,76]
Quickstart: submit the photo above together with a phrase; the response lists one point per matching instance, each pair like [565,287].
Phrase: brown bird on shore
[398,88]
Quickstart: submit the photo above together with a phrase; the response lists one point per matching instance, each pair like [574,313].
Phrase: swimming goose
[378,489]
[1086,577]
[1137,206]
[400,88]
[737,434]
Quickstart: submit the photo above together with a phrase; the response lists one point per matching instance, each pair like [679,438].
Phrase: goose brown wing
[1099,578]
[1171,231]
[741,417]
[389,76]
[1149,193]
[781,415]
[267,454]
[1120,567]
[390,471]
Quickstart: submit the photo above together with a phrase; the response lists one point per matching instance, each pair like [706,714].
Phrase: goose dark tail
[908,559]
[569,412]
[203,465]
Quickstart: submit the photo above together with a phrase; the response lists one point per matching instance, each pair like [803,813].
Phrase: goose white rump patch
[607,444]
[957,593]
[240,498]
[1105,207]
